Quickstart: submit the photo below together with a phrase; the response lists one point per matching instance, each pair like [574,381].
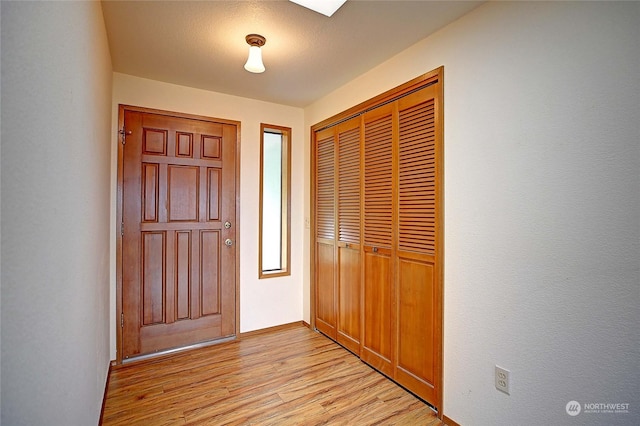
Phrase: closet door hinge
[122,228]
[121,319]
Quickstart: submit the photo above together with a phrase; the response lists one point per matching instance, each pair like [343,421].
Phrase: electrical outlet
[502,379]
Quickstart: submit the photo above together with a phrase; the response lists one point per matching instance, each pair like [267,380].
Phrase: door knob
[227,224]
[228,242]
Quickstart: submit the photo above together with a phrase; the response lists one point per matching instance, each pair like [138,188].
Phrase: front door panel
[178,263]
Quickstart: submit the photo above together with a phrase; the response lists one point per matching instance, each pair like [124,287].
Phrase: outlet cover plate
[502,379]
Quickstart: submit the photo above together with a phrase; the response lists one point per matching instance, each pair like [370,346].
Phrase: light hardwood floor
[287,376]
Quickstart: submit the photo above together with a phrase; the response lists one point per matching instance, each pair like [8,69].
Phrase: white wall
[542,206]
[56,106]
[263,303]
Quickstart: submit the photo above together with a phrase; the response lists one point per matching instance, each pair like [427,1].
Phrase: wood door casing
[178,278]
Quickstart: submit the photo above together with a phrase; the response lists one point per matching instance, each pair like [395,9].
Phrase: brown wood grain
[387,197]
[349,290]
[377,339]
[285,376]
[326,289]
[348,137]
[447,421]
[324,249]
[177,186]
[325,186]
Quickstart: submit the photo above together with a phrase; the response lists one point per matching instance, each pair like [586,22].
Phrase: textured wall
[542,205]
[56,110]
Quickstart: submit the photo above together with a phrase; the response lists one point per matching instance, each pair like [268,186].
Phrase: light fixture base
[254,62]
[255,40]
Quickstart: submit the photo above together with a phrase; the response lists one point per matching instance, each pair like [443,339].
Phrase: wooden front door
[178,235]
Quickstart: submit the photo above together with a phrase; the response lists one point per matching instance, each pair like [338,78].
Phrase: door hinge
[121,319]
[123,135]
[122,228]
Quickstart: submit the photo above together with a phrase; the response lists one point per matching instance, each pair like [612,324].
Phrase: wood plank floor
[288,376]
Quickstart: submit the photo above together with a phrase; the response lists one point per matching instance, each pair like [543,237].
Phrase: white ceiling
[307,55]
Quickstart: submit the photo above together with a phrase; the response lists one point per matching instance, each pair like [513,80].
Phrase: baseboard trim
[106,388]
[272,329]
[306,324]
[447,421]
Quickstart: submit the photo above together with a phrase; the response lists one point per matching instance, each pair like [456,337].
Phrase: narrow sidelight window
[275,201]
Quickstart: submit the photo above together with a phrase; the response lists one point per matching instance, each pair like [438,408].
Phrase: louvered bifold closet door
[349,272]
[417,319]
[378,318]
[378,232]
[325,233]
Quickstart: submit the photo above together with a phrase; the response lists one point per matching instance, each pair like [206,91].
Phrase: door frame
[119,206]
[435,76]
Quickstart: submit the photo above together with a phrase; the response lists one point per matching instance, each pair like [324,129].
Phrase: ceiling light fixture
[254,62]
[326,7]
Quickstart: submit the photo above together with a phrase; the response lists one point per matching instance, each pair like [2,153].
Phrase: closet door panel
[325,235]
[349,212]
[417,174]
[325,185]
[349,298]
[348,135]
[416,325]
[377,349]
[378,178]
[325,289]
[379,315]
[417,330]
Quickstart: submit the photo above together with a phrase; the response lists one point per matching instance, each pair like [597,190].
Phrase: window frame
[285,229]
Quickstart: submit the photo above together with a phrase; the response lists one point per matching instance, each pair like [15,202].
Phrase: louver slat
[325,189]
[349,186]
[416,179]
[378,180]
